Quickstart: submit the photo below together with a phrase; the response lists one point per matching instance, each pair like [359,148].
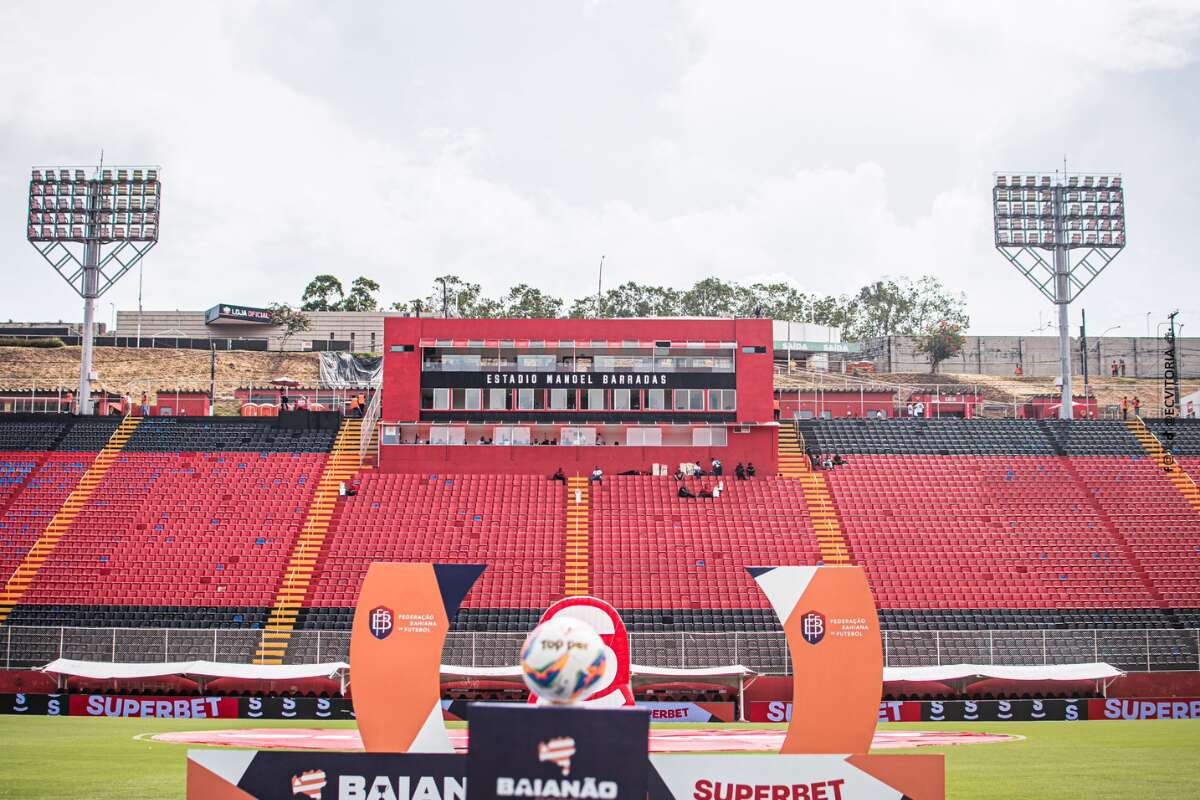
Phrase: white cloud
[825,144]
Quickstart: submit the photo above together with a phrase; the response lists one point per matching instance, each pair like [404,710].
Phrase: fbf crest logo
[381,622]
[558,751]
[812,627]
[309,784]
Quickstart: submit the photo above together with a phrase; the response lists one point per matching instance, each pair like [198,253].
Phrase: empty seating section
[189,530]
[36,433]
[928,437]
[88,435]
[1092,438]
[513,523]
[1161,528]
[654,550]
[15,469]
[30,510]
[201,435]
[962,526]
[1182,435]
[981,532]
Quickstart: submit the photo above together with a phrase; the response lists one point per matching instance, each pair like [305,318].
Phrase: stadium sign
[226,313]
[578,380]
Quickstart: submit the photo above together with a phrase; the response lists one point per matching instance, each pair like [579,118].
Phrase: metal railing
[1134,650]
[369,420]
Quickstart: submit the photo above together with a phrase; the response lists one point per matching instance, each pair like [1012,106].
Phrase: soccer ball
[563,660]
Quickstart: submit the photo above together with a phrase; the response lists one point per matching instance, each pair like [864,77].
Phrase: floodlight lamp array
[119,204]
[1046,212]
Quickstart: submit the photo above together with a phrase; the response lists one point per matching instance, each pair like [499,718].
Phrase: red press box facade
[532,395]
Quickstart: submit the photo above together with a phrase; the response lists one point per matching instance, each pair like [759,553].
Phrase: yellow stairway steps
[793,463]
[341,465]
[1173,472]
[576,580]
[25,572]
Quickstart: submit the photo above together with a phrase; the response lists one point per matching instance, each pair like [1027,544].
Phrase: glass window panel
[474,399]
[595,399]
[498,399]
[621,399]
[525,399]
[655,399]
[558,399]
[540,363]
[578,436]
[441,399]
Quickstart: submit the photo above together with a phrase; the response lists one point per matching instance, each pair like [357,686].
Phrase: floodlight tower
[1078,220]
[92,224]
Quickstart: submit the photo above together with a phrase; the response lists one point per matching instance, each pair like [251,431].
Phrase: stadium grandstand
[986,541]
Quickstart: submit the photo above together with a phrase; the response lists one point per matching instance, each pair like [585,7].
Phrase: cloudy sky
[822,143]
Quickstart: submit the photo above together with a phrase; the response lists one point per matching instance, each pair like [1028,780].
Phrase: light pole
[1043,223]
[92,230]
[1100,344]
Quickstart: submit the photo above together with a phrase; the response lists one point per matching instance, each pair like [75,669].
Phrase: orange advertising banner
[832,629]
[400,624]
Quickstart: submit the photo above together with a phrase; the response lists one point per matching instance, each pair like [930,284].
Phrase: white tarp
[105,670]
[1049,672]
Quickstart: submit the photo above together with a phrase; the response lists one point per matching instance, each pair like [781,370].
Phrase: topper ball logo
[381,622]
[812,627]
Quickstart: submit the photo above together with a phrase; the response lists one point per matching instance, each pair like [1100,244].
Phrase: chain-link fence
[1134,650]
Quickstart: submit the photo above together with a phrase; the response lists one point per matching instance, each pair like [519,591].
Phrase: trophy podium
[404,611]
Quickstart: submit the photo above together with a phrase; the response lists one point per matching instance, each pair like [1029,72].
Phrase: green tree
[361,297]
[451,296]
[770,301]
[527,302]
[293,321]
[902,306]
[323,293]
[711,297]
[940,341]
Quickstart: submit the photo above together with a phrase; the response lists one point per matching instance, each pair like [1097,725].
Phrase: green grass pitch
[45,757]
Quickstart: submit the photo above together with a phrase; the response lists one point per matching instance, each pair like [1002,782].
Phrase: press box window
[722,399]
[391,434]
[710,437]
[441,399]
[442,434]
[643,437]
[754,349]
[689,399]
[497,399]
[656,399]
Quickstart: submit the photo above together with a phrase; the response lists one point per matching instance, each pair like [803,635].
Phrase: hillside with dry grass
[128,370]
